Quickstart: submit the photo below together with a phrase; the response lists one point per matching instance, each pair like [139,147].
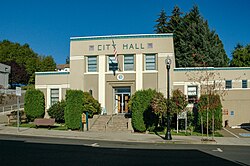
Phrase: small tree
[180,103]
[214,108]
[34,104]
[73,109]
[210,82]
[57,111]
[159,106]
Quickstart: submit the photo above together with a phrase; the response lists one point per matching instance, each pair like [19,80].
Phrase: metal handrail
[94,121]
[111,118]
[10,107]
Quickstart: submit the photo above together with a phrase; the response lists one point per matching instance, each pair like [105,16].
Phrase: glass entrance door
[122,96]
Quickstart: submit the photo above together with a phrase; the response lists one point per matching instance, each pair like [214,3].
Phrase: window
[244,83]
[192,94]
[228,84]
[54,96]
[128,62]
[232,113]
[150,61]
[92,63]
[113,65]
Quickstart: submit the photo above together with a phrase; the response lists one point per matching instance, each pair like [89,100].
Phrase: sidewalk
[121,136]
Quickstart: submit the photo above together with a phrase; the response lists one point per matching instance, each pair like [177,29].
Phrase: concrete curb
[121,137]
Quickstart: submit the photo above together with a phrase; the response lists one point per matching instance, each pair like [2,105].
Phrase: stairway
[115,123]
[118,123]
[100,123]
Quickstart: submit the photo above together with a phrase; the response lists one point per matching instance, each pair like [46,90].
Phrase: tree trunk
[177,123]
[201,126]
[207,123]
[213,123]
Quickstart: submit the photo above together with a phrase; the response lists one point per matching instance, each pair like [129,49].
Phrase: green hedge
[57,111]
[142,116]
[73,109]
[34,104]
[90,105]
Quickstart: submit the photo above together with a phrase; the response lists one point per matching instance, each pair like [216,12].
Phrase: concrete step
[100,123]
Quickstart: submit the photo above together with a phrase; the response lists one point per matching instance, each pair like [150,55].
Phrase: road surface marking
[231,133]
[218,150]
[95,145]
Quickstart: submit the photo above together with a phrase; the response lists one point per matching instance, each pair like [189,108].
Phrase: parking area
[238,132]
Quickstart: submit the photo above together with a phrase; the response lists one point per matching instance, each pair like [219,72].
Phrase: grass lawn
[31,125]
[216,134]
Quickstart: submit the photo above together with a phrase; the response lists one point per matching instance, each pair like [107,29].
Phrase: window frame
[52,102]
[228,84]
[147,67]
[192,98]
[125,67]
[244,84]
[93,65]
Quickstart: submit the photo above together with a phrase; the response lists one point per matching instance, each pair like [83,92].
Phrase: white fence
[10,91]
[10,108]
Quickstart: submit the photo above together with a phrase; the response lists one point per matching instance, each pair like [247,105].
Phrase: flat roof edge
[210,68]
[130,36]
[52,73]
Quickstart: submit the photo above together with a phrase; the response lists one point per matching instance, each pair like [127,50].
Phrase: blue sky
[47,25]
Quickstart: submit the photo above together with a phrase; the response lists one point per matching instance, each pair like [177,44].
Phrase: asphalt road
[23,150]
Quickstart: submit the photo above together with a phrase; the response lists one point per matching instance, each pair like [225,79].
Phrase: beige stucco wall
[45,81]
[103,81]
[236,99]
[51,78]
[239,102]
[79,47]
[77,70]
[150,80]
[90,82]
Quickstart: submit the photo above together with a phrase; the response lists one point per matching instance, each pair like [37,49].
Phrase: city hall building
[140,63]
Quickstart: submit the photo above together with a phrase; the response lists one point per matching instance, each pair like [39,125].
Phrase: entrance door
[122,96]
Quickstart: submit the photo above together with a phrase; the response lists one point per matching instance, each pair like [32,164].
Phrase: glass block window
[54,96]
[91,48]
[228,84]
[112,63]
[192,94]
[150,45]
[150,62]
[244,83]
[92,63]
[128,62]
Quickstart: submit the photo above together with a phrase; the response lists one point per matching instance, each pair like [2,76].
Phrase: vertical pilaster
[101,80]
[139,69]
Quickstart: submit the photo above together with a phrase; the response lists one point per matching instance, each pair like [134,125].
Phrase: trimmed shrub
[90,105]
[73,109]
[57,111]
[142,116]
[34,104]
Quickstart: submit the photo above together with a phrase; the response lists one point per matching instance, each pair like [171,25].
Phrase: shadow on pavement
[28,153]
[156,133]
